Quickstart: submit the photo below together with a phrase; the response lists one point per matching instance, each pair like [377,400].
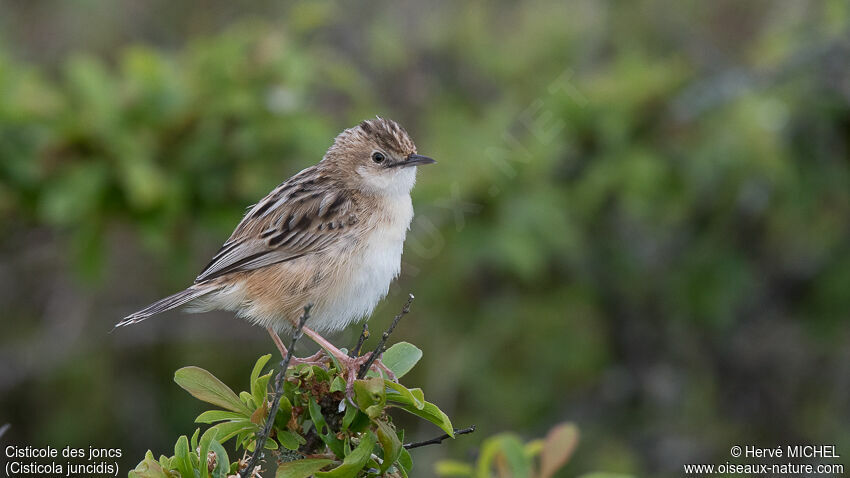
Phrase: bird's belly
[368,269]
[361,285]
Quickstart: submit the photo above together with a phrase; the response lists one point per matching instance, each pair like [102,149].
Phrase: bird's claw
[319,358]
[351,370]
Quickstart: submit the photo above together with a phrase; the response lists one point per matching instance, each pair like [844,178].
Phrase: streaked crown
[388,134]
[383,133]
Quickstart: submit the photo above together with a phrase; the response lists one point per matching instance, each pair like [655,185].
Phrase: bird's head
[377,156]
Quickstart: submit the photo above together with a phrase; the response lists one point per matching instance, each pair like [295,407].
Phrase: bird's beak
[416,160]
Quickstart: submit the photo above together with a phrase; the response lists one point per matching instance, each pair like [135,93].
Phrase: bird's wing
[301,216]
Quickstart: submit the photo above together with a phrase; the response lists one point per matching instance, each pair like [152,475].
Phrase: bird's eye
[378,157]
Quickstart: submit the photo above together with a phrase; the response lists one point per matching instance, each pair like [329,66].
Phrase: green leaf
[417,393]
[258,367]
[350,413]
[408,396]
[290,440]
[204,447]
[338,384]
[149,468]
[182,459]
[206,387]
[222,462]
[511,449]
[354,420]
[263,384]
[405,460]
[321,374]
[284,413]
[361,422]
[355,461]
[453,468]
[324,430]
[244,439]
[389,443]
[194,441]
[301,468]
[514,452]
[248,400]
[401,358]
[258,388]
[533,448]
[227,430]
[429,411]
[559,445]
[370,396]
[212,416]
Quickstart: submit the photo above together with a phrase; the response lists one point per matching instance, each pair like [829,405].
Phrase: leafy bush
[317,431]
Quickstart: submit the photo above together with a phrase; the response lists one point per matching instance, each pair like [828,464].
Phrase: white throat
[396,182]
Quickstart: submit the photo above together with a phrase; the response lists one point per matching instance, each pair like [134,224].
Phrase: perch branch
[364,334]
[278,392]
[380,348]
[439,439]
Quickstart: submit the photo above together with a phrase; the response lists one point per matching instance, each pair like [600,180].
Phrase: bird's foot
[378,366]
[356,364]
[319,358]
[349,366]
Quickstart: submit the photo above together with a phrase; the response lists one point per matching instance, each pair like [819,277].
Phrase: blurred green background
[640,220]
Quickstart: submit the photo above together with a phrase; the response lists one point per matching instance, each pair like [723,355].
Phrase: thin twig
[380,348]
[364,334]
[439,439]
[260,442]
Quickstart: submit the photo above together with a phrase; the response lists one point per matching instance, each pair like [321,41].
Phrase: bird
[330,236]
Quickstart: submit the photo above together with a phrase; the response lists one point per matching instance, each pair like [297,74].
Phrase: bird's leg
[314,359]
[390,373]
[277,342]
[338,354]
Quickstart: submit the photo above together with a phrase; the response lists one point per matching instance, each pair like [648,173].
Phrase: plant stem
[364,334]
[439,439]
[380,348]
[260,442]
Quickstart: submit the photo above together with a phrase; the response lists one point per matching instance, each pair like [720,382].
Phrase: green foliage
[157,138]
[315,421]
[505,455]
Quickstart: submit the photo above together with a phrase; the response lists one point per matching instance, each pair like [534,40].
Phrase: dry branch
[380,348]
[278,392]
[439,439]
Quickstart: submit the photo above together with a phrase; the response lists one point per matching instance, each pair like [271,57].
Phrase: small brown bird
[331,236]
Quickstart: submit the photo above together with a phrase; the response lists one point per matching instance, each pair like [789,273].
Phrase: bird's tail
[168,303]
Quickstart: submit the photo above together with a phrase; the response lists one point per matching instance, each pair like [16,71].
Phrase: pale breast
[369,268]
